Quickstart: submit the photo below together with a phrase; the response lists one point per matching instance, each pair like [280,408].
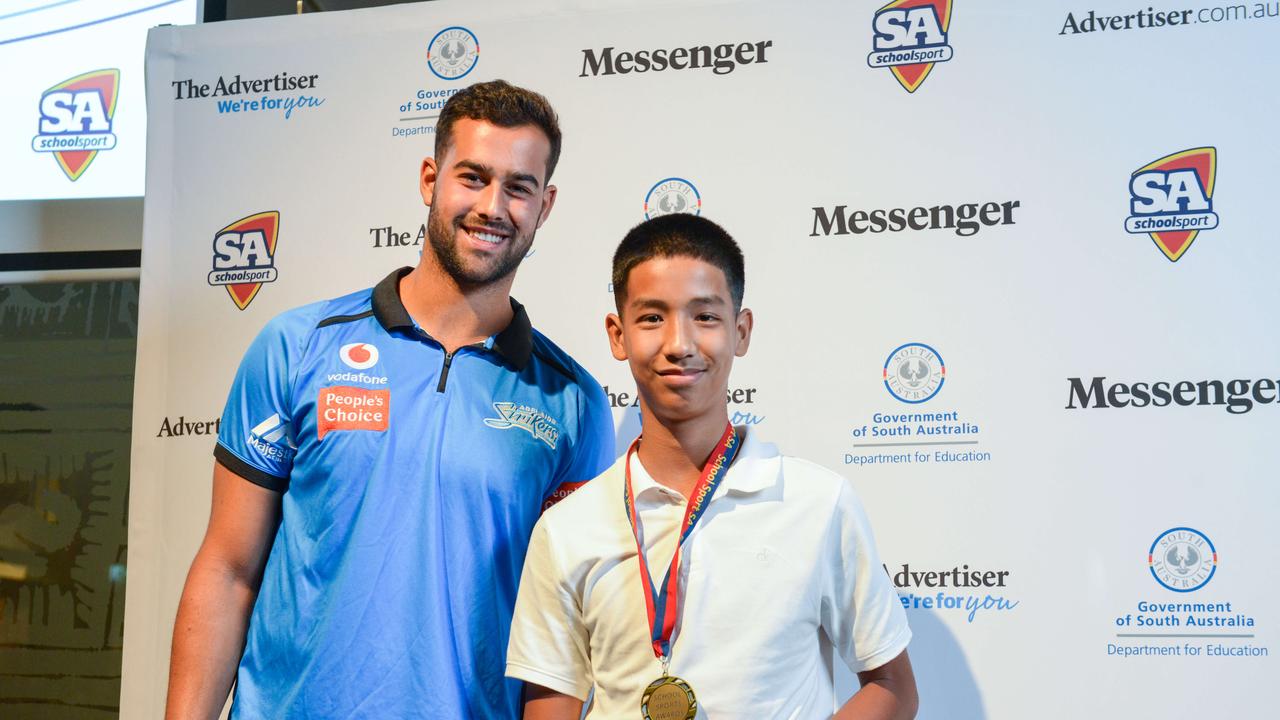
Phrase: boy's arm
[542,703]
[888,693]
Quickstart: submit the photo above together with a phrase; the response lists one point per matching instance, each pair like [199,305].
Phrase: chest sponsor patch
[351,408]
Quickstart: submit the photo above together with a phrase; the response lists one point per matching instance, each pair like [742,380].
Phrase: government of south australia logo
[453,52]
[910,37]
[244,256]
[914,373]
[75,120]
[1171,199]
[670,196]
[360,356]
[1182,559]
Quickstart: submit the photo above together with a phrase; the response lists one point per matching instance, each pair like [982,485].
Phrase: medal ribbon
[664,606]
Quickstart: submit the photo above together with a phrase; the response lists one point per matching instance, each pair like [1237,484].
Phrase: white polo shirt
[781,569]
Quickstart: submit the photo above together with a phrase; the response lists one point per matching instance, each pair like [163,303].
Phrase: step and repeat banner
[1012,266]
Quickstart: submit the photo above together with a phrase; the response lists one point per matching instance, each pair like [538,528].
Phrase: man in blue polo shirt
[383,457]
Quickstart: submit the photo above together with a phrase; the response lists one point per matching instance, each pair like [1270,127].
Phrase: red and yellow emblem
[909,29]
[1204,162]
[85,101]
[244,256]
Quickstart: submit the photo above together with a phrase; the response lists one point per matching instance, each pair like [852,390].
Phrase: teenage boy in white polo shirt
[703,575]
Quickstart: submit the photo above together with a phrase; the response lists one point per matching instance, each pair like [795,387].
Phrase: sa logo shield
[75,120]
[1171,199]
[910,37]
[244,256]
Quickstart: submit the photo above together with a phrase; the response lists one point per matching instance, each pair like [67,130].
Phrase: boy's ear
[744,324]
[613,328]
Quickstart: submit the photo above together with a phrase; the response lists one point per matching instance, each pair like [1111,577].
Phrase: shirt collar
[756,468]
[514,343]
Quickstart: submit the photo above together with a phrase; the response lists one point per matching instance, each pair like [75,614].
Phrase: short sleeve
[860,609]
[256,437]
[593,451]
[548,644]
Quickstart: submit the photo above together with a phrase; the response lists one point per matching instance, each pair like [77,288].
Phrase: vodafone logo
[360,356]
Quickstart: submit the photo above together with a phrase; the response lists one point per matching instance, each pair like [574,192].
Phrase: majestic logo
[265,437]
[1171,199]
[452,53]
[531,420]
[910,37]
[1182,559]
[360,356]
[244,256]
[672,195]
[342,407]
[914,373]
[75,120]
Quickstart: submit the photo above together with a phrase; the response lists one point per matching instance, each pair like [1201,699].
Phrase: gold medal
[668,698]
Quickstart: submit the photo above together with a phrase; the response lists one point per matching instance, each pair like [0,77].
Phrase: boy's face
[680,334]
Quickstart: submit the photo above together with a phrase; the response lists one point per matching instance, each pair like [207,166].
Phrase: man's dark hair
[679,235]
[502,104]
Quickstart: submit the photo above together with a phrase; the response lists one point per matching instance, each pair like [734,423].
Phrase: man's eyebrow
[488,171]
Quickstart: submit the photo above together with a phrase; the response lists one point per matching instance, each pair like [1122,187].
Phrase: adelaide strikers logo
[1171,199]
[75,120]
[914,373]
[453,52]
[360,356]
[1182,559]
[670,196]
[244,256]
[910,37]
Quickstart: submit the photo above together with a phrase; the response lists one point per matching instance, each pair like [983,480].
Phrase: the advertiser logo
[452,53]
[1182,559]
[530,419]
[343,407]
[182,427]
[962,590]
[719,59]
[244,256]
[360,356]
[670,196]
[910,37]
[914,373]
[76,120]
[1171,199]
[737,398]
[240,95]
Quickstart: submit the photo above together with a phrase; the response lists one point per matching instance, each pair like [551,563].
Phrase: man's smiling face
[488,197]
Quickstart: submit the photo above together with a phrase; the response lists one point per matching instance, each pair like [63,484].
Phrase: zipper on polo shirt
[448,362]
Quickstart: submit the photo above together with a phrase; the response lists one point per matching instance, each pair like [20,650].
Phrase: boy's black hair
[679,235]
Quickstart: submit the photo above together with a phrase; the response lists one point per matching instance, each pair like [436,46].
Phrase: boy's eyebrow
[489,172]
[643,302]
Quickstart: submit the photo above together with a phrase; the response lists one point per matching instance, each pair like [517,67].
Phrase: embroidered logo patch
[351,408]
[530,419]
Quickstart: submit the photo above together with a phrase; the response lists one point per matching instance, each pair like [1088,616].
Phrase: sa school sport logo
[910,36]
[1182,559]
[452,53]
[1171,199]
[244,256]
[670,196]
[76,120]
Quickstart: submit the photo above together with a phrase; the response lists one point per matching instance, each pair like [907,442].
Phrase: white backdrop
[1045,109]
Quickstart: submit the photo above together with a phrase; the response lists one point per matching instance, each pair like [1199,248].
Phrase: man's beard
[442,235]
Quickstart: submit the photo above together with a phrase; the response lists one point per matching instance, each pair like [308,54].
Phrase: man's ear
[548,199]
[613,328]
[427,180]
[744,324]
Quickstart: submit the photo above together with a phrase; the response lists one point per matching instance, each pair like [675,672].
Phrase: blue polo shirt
[411,480]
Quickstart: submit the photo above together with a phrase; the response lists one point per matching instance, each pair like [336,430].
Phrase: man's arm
[213,615]
[546,704]
[888,693]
